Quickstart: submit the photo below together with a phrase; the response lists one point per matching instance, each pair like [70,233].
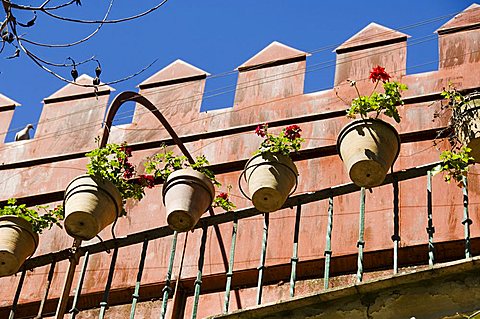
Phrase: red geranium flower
[128,170]
[223,196]
[292,132]
[261,130]
[126,150]
[147,180]
[378,73]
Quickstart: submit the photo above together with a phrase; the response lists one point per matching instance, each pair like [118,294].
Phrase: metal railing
[145,237]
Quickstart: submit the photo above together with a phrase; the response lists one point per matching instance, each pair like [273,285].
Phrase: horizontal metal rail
[227,217]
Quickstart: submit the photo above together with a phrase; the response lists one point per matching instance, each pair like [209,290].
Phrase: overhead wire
[97,123]
[239,86]
[242,85]
[314,51]
[386,32]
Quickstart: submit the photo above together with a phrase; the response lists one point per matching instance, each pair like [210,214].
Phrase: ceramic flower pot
[270,179]
[468,128]
[368,148]
[91,204]
[17,242]
[187,194]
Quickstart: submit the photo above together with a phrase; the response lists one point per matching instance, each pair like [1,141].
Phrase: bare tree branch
[107,21]
[71,44]
[9,36]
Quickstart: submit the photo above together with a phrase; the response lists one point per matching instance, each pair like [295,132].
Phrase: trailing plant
[39,222]
[456,161]
[454,165]
[161,165]
[287,141]
[111,163]
[378,103]
[452,101]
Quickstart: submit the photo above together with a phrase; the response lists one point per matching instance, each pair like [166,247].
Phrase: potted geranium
[19,229]
[94,200]
[369,146]
[188,189]
[271,174]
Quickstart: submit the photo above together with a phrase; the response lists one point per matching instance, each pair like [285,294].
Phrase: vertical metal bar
[74,311]
[67,285]
[47,289]
[167,289]
[263,254]
[430,228]
[294,260]
[230,265]
[139,278]
[361,233]
[328,244]
[396,232]
[106,293]
[198,281]
[466,219]
[17,295]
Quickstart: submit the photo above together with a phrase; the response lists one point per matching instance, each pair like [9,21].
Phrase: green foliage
[453,97]
[38,222]
[287,141]
[386,102]
[454,165]
[223,200]
[161,165]
[111,163]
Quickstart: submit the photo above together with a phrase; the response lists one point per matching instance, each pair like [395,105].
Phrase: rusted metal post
[167,289]
[67,286]
[294,259]
[430,228]
[47,289]
[74,310]
[263,255]
[228,285]
[396,235]
[361,235]
[136,294]
[328,244]
[466,219]
[198,281]
[17,294]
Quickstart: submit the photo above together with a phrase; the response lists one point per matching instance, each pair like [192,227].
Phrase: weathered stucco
[269,89]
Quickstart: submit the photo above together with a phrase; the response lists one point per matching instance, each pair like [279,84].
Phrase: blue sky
[216,36]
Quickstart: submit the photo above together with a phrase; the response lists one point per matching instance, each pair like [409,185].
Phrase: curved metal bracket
[128,96]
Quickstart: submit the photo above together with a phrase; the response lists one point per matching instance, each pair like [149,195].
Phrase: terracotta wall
[269,89]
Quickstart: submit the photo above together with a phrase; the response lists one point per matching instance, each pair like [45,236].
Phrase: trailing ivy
[39,222]
[454,165]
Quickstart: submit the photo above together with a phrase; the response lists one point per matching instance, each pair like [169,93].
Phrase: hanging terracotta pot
[91,204]
[368,148]
[17,242]
[467,127]
[187,194]
[270,178]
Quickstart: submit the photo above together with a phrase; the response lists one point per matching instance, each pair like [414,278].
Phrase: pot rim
[243,174]
[30,231]
[347,128]
[192,180]
[470,98]
[118,209]
[261,154]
